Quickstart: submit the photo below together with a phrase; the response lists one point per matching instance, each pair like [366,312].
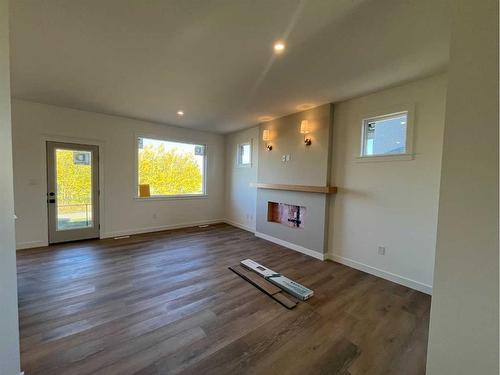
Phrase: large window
[385,135]
[169,169]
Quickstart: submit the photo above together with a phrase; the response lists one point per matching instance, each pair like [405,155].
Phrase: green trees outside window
[170,168]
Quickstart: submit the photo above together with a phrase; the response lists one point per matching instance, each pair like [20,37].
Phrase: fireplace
[290,215]
[277,213]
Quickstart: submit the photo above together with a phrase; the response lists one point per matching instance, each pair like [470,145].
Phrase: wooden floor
[165,303]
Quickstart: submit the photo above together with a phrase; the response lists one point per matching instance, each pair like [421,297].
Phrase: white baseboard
[291,246]
[421,287]
[31,244]
[129,232]
[238,225]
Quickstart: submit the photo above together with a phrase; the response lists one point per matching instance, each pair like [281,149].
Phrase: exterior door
[72,191]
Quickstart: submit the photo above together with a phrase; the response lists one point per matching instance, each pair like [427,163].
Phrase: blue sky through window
[386,136]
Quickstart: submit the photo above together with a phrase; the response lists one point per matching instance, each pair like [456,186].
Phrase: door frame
[80,233]
[83,141]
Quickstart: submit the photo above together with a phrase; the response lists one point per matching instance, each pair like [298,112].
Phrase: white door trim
[85,141]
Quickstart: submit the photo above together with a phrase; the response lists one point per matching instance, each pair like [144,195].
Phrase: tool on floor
[270,289]
[288,285]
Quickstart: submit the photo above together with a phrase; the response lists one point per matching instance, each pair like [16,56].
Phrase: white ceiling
[214,58]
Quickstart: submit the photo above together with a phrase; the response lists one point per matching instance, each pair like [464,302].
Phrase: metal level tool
[288,285]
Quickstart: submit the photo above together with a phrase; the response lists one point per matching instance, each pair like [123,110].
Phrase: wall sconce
[304,129]
[266,138]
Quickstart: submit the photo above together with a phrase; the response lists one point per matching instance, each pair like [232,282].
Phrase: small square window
[244,154]
[385,135]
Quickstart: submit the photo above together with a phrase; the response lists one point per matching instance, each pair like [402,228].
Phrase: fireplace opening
[287,214]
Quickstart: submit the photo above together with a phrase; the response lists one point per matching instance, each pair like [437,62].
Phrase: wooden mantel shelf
[303,188]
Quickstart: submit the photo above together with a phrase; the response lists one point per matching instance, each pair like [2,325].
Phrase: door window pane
[74,189]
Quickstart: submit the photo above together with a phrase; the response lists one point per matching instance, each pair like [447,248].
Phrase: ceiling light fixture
[305,106]
[265,118]
[279,47]
[180,113]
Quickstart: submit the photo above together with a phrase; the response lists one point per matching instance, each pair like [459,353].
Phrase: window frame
[380,115]
[238,155]
[168,197]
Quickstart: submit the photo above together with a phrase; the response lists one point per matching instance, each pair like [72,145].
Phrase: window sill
[379,158]
[172,197]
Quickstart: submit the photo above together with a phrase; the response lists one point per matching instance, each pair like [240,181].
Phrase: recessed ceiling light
[303,107]
[265,118]
[180,113]
[279,47]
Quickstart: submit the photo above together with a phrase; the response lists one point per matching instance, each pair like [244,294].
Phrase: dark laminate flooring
[166,303]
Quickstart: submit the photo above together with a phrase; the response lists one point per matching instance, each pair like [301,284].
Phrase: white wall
[391,203]
[463,335]
[121,213]
[9,336]
[240,196]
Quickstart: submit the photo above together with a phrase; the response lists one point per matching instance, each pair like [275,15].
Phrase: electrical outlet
[381,250]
